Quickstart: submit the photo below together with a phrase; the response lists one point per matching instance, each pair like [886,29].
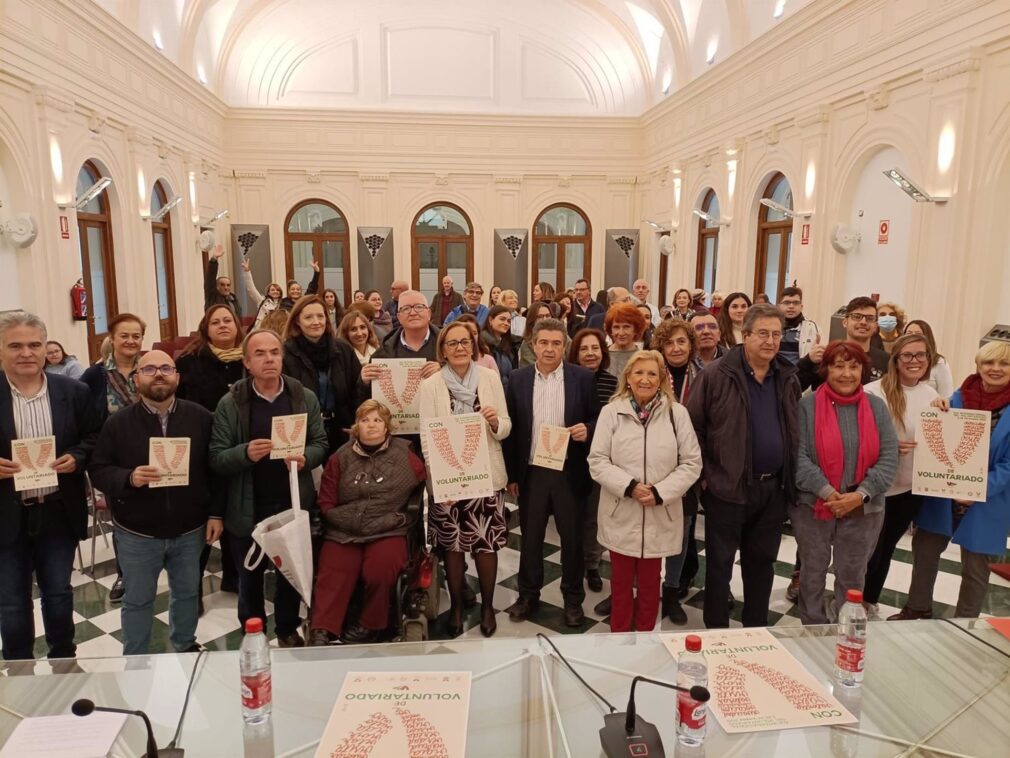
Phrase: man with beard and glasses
[158,527]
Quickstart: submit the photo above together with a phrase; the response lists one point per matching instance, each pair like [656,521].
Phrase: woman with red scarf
[979,528]
[847,459]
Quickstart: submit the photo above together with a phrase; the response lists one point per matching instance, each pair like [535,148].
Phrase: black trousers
[547,492]
[899,510]
[755,529]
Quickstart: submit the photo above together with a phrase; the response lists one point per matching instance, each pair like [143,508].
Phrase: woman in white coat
[474,526]
[645,456]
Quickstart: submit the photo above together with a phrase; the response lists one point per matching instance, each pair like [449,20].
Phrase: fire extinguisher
[79,301]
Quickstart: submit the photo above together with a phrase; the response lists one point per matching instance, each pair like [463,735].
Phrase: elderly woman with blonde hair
[641,519]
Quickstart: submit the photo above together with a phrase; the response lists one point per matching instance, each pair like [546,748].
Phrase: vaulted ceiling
[538,57]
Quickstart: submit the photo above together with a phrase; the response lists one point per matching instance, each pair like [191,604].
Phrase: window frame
[440,240]
[169,327]
[103,222]
[766,229]
[559,241]
[318,240]
[704,234]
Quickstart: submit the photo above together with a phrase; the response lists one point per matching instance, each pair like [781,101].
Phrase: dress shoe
[321,638]
[196,647]
[469,596]
[574,615]
[290,640]
[793,590]
[669,600]
[907,614]
[521,609]
[683,588]
[356,634]
[731,601]
[594,581]
[677,614]
[602,608]
[116,593]
[488,623]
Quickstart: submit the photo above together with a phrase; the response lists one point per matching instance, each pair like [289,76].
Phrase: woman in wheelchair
[363,498]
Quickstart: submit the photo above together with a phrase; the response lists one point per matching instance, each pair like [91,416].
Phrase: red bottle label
[257,690]
[849,658]
[692,713]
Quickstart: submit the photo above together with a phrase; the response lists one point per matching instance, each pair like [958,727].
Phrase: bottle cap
[253,626]
[854,596]
[692,643]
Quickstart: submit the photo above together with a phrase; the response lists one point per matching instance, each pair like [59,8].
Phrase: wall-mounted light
[911,189]
[141,187]
[780,8]
[667,81]
[194,211]
[787,212]
[156,36]
[660,226]
[711,50]
[945,149]
[216,217]
[90,193]
[676,191]
[811,180]
[201,74]
[56,159]
[731,175]
[174,201]
[709,219]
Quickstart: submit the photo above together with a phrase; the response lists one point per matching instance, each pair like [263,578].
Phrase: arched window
[164,266]
[775,240]
[708,244]
[94,230]
[316,230]
[562,246]
[441,245]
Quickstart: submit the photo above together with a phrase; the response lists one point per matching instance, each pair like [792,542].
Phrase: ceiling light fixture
[709,219]
[787,212]
[911,189]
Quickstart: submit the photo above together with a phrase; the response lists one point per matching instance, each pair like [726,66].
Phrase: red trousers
[376,563]
[625,606]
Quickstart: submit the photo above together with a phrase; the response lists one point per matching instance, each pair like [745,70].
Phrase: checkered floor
[98,620]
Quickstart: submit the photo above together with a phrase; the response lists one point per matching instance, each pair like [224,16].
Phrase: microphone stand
[626,734]
[85,707]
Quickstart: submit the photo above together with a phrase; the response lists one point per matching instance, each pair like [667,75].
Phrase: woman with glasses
[939,376]
[474,526]
[730,318]
[61,364]
[907,394]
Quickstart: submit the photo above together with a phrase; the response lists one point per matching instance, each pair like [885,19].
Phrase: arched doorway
[562,246]
[316,230]
[164,265]
[708,243]
[441,245]
[775,239]
[94,229]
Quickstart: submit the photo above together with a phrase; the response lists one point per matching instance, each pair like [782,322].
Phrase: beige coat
[656,454]
[433,401]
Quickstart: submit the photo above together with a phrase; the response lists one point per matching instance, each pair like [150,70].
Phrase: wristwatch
[866,499]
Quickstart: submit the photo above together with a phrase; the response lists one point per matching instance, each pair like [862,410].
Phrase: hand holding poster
[170,455]
[951,458]
[396,388]
[551,447]
[757,685]
[287,433]
[420,713]
[457,457]
[36,456]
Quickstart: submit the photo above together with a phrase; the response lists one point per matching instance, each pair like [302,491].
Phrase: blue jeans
[142,559]
[50,556]
[675,563]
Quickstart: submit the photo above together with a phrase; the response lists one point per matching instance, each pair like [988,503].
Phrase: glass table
[932,688]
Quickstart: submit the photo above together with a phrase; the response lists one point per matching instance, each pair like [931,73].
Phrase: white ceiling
[537,57]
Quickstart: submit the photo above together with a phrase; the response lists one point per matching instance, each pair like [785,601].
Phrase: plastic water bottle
[692,670]
[254,667]
[850,649]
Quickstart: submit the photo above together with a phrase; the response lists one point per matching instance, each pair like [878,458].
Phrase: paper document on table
[36,456]
[64,736]
[758,686]
[422,713]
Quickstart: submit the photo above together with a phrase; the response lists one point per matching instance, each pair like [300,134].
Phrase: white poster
[382,713]
[170,455]
[951,458]
[457,457]
[36,456]
[758,686]
[287,433]
[396,388]
[551,447]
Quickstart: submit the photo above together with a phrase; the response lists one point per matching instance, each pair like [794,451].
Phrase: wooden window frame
[440,240]
[103,222]
[168,328]
[704,233]
[559,241]
[767,228]
[317,241]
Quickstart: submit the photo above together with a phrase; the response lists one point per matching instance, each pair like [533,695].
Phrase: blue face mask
[887,323]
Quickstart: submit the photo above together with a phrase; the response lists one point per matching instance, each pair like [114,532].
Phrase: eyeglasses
[764,335]
[415,308]
[465,343]
[704,327]
[790,302]
[149,371]
[868,318]
[474,292]
[910,357]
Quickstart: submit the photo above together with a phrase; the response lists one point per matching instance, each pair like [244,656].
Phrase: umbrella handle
[296,500]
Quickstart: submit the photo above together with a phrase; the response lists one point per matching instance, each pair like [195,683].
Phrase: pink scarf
[828,439]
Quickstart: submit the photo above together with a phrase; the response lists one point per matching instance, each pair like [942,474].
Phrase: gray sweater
[811,483]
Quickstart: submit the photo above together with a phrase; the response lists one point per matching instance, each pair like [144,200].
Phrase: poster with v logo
[36,456]
[457,457]
[396,388]
[552,447]
[951,458]
[288,435]
[170,455]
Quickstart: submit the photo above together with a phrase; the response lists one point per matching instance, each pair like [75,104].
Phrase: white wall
[10,296]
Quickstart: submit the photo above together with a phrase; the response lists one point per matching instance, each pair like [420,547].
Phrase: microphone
[85,707]
[626,734]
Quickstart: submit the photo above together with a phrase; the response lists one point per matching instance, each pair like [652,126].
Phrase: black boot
[669,599]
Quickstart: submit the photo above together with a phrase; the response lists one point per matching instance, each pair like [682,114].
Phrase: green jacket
[230,437]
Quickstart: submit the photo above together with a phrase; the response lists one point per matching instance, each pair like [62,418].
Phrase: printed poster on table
[396,388]
[757,685]
[457,457]
[287,433]
[552,447]
[951,458]
[170,455]
[36,456]
[422,713]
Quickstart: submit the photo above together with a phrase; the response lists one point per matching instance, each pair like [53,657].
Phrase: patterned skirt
[469,526]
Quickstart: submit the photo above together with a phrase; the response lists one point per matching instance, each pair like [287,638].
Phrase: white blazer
[433,401]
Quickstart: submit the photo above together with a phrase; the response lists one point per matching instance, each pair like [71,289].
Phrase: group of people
[742,415]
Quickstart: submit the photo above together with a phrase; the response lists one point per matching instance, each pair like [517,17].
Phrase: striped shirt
[33,417]
[548,401]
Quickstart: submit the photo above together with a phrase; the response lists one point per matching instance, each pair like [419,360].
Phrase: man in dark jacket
[860,324]
[561,394]
[744,410]
[217,290]
[256,486]
[158,527]
[40,527]
[445,300]
[584,307]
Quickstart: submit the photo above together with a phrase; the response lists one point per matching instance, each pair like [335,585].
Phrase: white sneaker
[872,611]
